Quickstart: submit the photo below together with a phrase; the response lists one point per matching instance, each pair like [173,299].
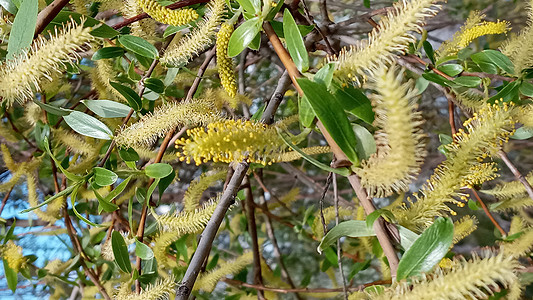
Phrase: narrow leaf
[139,46]
[11,276]
[107,108]
[351,228]
[58,111]
[295,42]
[104,177]
[23,28]
[120,251]
[356,102]
[243,35]
[131,96]
[108,52]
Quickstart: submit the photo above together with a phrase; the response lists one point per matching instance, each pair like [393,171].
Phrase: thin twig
[339,250]
[252,229]
[487,212]
[4,200]
[516,173]
[208,57]
[48,14]
[301,290]
[321,202]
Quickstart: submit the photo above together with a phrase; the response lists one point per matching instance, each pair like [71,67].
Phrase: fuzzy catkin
[518,48]
[208,280]
[165,118]
[225,63]
[401,147]
[194,192]
[198,40]
[167,16]
[24,74]
[187,221]
[392,35]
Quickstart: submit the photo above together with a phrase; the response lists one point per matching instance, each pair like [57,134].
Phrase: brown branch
[487,212]
[48,14]
[252,230]
[379,226]
[339,249]
[516,173]
[208,57]
[141,16]
[4,200]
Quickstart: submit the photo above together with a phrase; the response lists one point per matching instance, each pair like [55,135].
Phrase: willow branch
[48,14]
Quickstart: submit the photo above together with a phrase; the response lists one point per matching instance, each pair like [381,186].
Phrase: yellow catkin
[225,63]
[222,98]
[20,76]
[401,147]
[168,16]
[485,132]
[233,140]
[463,228]
[13,256]
[513,204]
[18,171]
[53,209]
[287,199]
[471,30]
[522,246]
[162,289]
[7,133]
[517,48]
[293,155]
[161,243]
[510,190]
[101,74]
[474,279]
[198,40]
[74,142]
[32,113]
[144,28]
[392,35]
[329,216]
[194,192]
[208,281]
[165,118]
[187,221]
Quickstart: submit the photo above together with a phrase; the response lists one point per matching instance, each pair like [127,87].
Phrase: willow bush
[255,149]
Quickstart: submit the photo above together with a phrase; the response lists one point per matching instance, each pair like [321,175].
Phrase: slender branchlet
[226,69]
[165,118]
[510,190]
[401,147]
[187,221]
[463,227]
[168,16]
[486,131]
[208,281]
[13,256]
[194,192]
[517,48]
[391,36]
[53,209]
[474,279]
[329,215]
[473,28]
[198,40]
[23,75]
[162,289]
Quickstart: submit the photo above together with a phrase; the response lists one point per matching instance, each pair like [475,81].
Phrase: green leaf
[351,228]
[131,96]
[9,233]
[366,3]
[468,81]
[421,84]
[249,6]
[372,217]
[128,154]
[429,51]
[155,85]
[131,72]
[274,11]
[68,174]
[101,30]
[427,250]
[436,78]
[140,194]
[329,111]
[523,133]
[58,111]
[243,35]
[295,42]
[356,102]
[11,276]
[73,204]
[107,108]
[325,74]
[23,28]
[104,204]
[104,177]
[9,6]
[64,192]
[278,28]
[256,42]
[340,171]
[151,189]
[526,89]
[118,189]
[305,112]
[120,251]
[108,52]
[508,93]
[165,182]
[158,170]
[366,145]
[173,29]
[451,69]
[143,251]
[496,57]
[407,237]
[86,125]
[138,46]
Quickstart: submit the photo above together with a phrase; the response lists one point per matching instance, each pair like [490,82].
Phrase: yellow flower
[225,63]
[13,256]
[168,16]
[467,36]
